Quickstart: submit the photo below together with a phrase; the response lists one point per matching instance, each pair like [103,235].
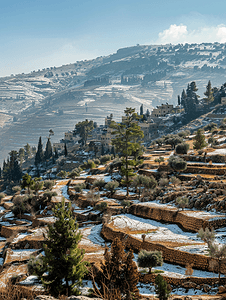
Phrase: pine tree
[65,150]
[141,110]
[161,288]
[63,259]
[27,181]
[48,150]
[39,157]
[209,93]
[127,141]
[199,142]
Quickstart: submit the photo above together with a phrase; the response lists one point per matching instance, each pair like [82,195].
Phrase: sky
[36,34]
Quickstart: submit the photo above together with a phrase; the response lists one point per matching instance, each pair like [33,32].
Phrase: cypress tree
[65,150]
[39,154]
[48,151]
[209,93]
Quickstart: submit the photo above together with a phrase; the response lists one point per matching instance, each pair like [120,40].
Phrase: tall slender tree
[48,150]
[127,140]
[39,157]
[209,93]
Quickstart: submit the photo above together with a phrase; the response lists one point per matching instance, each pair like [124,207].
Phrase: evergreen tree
[199,142]
[27,181]
[62,268]
[141,110]
[209,93]
[127,140]
[178,100]
[39,157]
[161,288]
[83,129]
[48,150]
[27,148]
[21,155]
[65,150]
[12,170]
[119,275]
[56,154]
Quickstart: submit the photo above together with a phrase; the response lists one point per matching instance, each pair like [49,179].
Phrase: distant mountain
[56,98]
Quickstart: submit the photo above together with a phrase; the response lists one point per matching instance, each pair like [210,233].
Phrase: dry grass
[16,292]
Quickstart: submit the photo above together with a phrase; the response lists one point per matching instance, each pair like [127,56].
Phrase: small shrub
[99,183]
[62,174]
[49,195]
[159,160]
[105,158]
[177,163]
[96,161]
[79,187]
[111,186]
[34,265]
[175,181]
[48,184]
[182,148]
[88,165]
[126,203]
[163,182]
[16,189]
[149,259]
[101,206]
[182,202]
[2,195]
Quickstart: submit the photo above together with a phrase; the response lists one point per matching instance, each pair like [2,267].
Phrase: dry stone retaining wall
[172,215]
[170,255]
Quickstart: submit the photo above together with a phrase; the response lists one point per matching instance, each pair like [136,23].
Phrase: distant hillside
[31,104]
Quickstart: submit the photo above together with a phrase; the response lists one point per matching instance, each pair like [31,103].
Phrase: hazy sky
[42,33]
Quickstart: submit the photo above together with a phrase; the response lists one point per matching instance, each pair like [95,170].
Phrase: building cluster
[101,136]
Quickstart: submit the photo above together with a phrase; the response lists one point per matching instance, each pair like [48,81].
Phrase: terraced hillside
[57,98]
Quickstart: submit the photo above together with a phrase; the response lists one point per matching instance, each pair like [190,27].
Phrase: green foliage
[49,195]
[126,203]
[177,163]
[2,195]
[175,181]
[83,129]
[79,187]
[119,275]
[199,142]
[22,204]
[27,148]
[182,148]
[35,265]
[105,158]
[48,184]
[62,174]
[37,186]
[210,126]
[127,142]
[96,161]
[48,150]
[212,141]
[173,140]
[88,165]
[161,288]
[101,206]
[11,169]
[39,156]
[111,186]
[75,173]
[184,133]
[27,181]
[209,93]
[62,268]
[16,188]
[216,251]
[159,160]
[182,202]
[149,259]
[145,182]
[99,183]
[163,181]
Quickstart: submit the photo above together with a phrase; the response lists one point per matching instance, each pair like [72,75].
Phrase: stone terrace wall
[178,281]
[172,215]
[170,255]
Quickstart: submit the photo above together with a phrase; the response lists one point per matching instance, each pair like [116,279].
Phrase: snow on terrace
[218,151]
[137,226]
